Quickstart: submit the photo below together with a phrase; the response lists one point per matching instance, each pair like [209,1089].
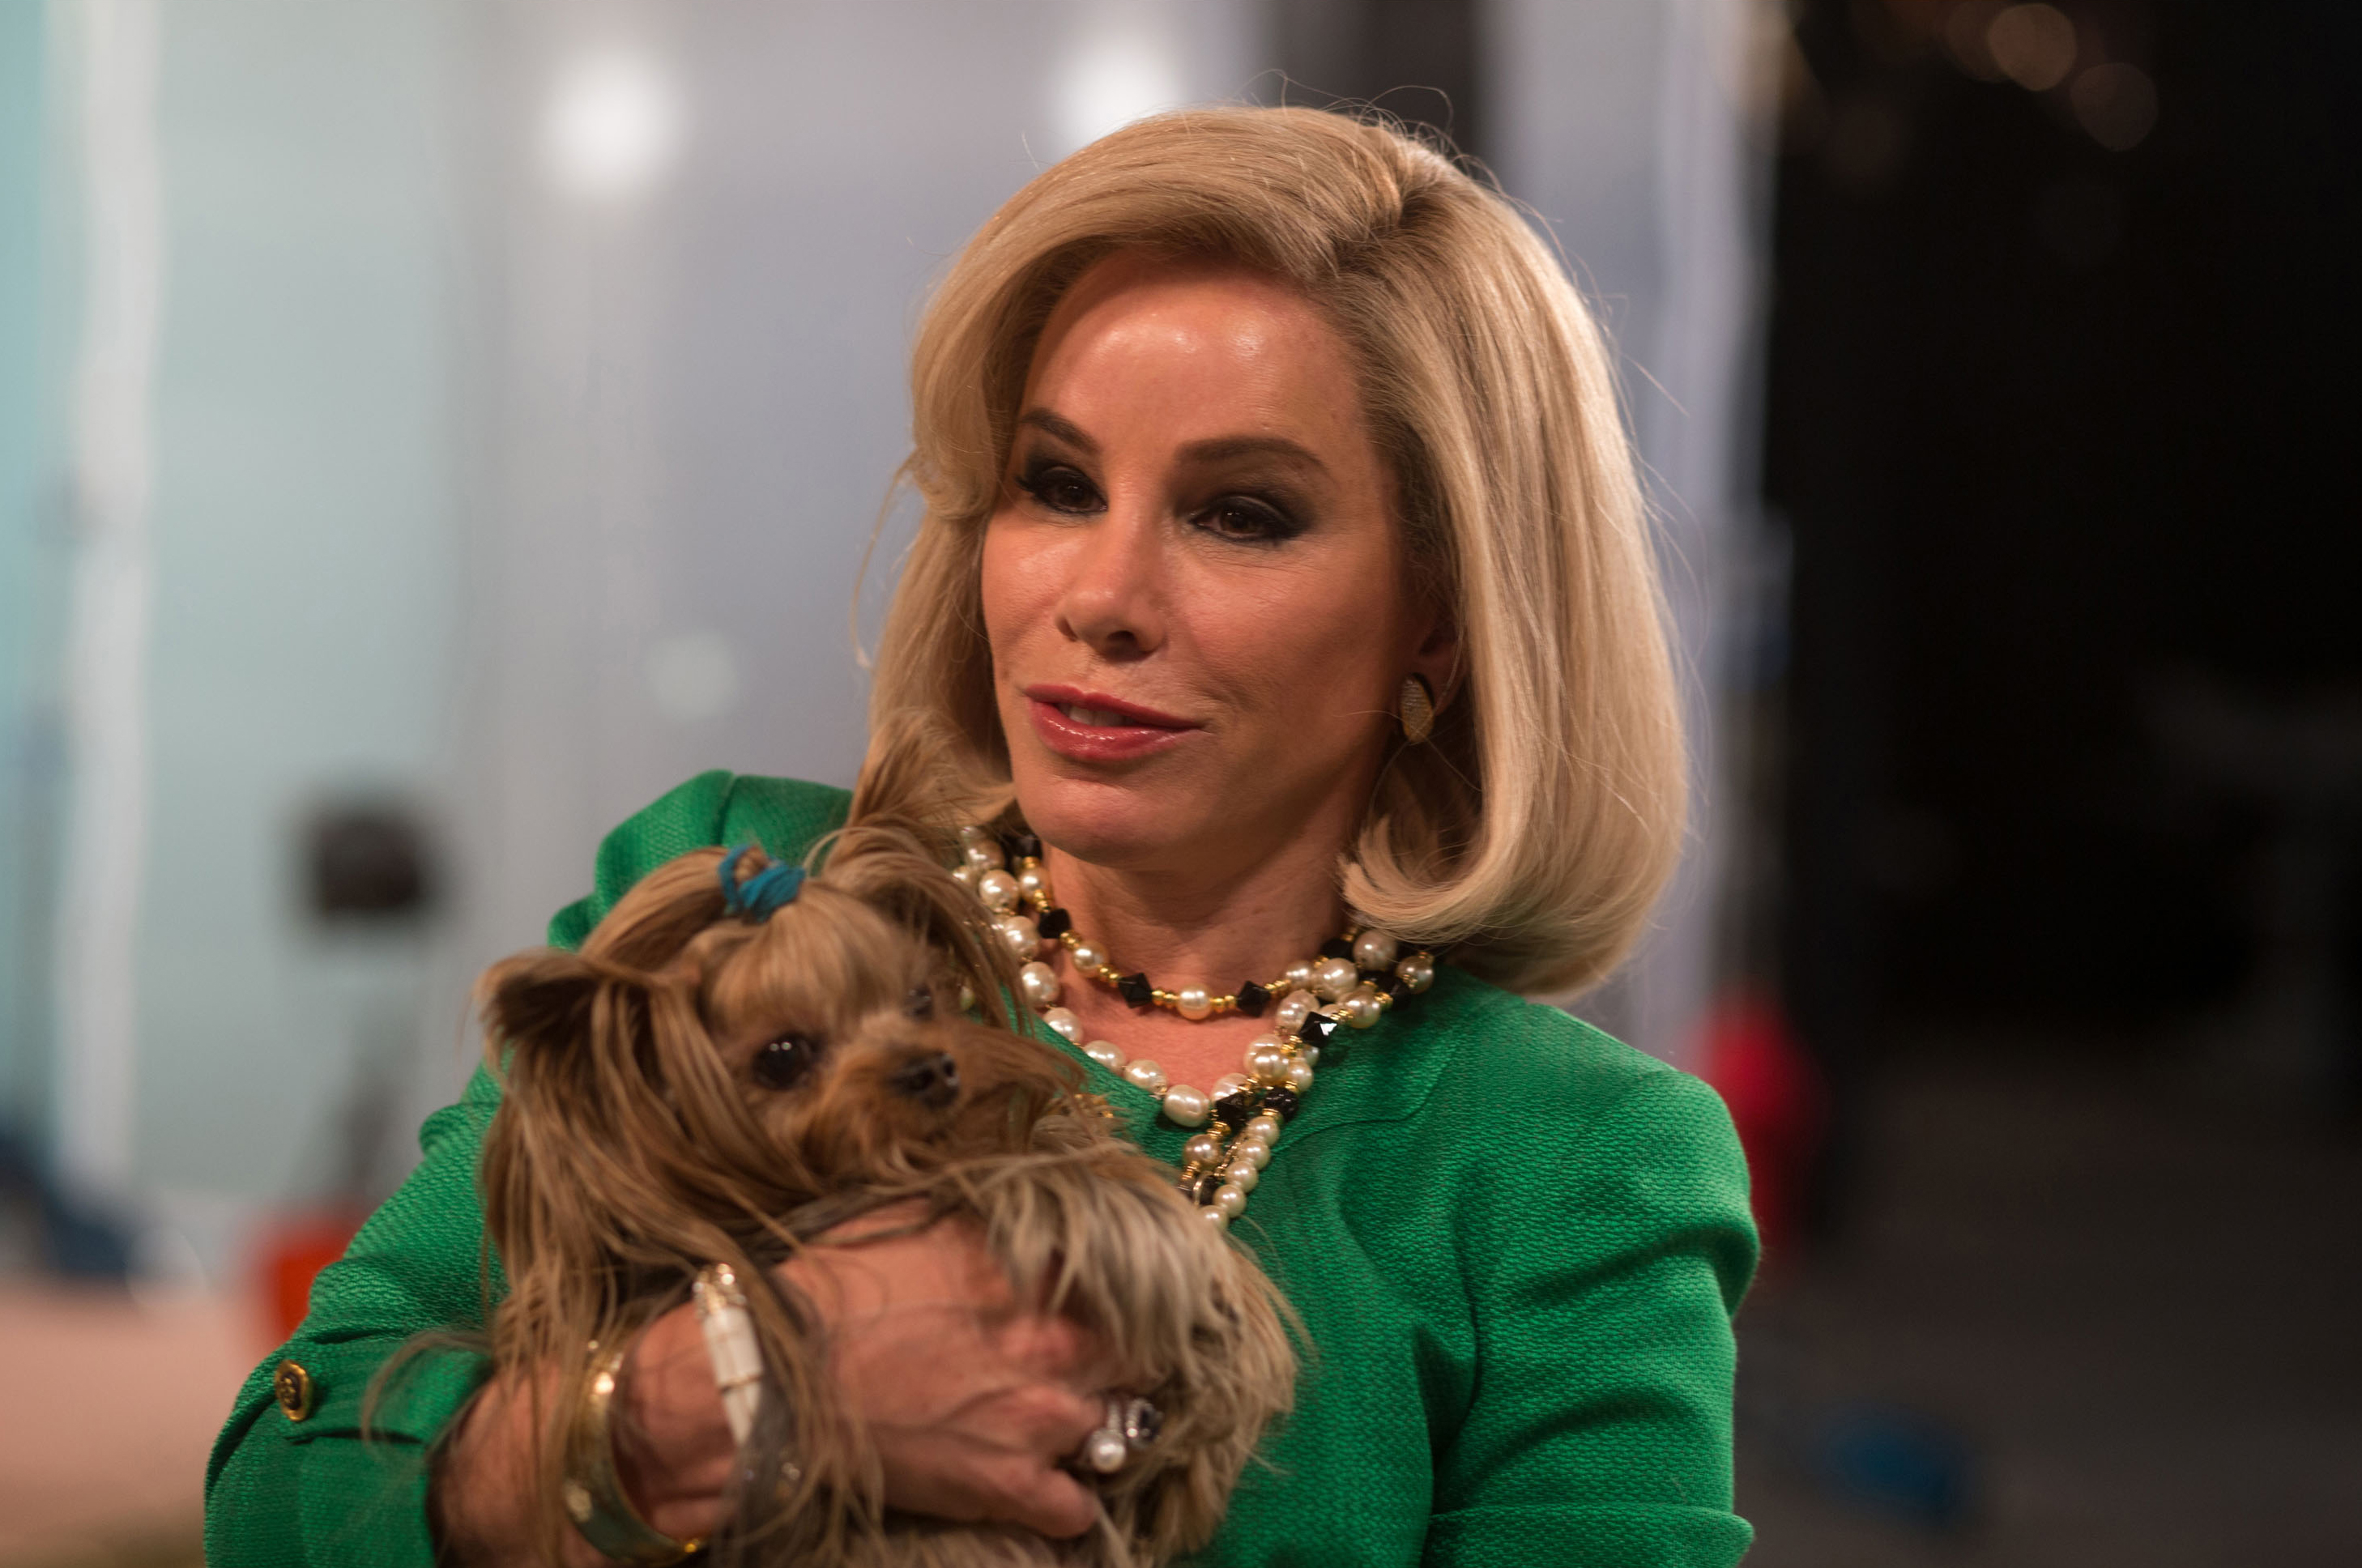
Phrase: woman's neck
[1219,926]
[1215,931]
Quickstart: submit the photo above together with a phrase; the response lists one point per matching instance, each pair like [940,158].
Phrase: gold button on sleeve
[292,1387]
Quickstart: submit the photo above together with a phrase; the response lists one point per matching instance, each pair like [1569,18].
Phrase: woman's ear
[1435,658]
[538,1000]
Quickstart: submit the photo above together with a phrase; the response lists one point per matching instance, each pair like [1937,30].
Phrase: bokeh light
[2116,103]
[613,125]
[1111,79]
[2034,45]
[1964,36]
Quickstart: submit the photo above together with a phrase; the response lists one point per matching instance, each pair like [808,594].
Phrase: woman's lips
[1087,726]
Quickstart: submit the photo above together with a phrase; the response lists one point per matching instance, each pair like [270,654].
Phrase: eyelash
[1270,524]
[1040,479]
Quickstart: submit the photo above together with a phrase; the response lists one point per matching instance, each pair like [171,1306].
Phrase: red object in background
[1777,1103]
[292,1253]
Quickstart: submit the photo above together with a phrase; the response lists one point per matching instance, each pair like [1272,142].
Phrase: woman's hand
[971,1397]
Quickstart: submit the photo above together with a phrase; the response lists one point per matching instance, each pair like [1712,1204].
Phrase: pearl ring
[1130,1424]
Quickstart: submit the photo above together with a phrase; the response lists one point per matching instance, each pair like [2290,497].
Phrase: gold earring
[1418,710]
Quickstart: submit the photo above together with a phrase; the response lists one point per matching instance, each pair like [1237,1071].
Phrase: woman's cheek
[1019,580]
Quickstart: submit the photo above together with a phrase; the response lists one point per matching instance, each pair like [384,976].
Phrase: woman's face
[1194,585]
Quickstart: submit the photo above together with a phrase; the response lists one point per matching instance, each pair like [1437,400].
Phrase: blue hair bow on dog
[759,897]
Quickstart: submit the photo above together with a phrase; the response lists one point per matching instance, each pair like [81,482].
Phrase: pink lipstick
[1091,726]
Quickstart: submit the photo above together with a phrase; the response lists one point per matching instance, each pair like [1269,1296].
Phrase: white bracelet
[730,1344]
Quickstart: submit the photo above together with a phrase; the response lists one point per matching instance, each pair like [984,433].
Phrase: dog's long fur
[634,1144]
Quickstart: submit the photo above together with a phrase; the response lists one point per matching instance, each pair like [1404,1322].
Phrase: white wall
[703,396]
[1633,130]
[265,499]
[31,429]
[453,482]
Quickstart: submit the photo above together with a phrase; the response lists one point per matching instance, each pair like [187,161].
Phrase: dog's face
[855,1057]
[690,1082]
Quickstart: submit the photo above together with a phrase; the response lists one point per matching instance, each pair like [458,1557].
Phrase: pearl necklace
[1353,982]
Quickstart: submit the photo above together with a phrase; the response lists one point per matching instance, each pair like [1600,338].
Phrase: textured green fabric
[1513,1242]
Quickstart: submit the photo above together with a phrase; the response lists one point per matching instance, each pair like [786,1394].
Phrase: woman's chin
[1109,822]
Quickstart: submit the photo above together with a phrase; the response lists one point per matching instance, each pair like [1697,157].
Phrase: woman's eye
[783,1063]
[921,1002]
[1244,517]
[1061,489]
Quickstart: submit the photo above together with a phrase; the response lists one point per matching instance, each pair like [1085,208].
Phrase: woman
[1284,569]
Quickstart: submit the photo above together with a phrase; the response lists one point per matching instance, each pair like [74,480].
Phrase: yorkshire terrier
[741,1057]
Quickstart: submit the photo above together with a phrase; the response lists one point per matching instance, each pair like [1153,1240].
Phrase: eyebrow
[1065,429]
[1214,449]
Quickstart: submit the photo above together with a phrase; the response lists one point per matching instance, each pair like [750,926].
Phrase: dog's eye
[921,1002]
[783,1062]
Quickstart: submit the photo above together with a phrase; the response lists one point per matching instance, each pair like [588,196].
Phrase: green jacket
[1513,1242]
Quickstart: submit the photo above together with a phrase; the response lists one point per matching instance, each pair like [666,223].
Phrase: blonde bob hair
[1534,830]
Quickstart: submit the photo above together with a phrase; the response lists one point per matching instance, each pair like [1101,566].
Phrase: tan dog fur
[635,1143]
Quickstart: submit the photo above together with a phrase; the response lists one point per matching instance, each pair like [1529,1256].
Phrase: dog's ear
[538,1001]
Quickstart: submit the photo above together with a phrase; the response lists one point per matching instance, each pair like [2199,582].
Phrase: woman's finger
[1056,1348]
[1051,1502]
[1042,1496]
[992,1458]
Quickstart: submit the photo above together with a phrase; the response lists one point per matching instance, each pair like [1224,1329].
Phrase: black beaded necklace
[1353,982]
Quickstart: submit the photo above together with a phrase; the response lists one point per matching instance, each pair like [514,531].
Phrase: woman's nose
[1113,597]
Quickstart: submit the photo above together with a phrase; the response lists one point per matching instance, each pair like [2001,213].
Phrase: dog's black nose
[933,1078]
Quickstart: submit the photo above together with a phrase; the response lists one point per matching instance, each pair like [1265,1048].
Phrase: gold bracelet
[594,1494]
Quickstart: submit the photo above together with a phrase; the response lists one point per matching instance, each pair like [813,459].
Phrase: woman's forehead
[1138,303]
[1209,360]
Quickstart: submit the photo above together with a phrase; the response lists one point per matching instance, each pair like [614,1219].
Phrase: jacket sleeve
[284,1492]
[393,1343]
[1602,1282]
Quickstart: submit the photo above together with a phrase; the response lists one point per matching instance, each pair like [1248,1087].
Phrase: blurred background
[427,432]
